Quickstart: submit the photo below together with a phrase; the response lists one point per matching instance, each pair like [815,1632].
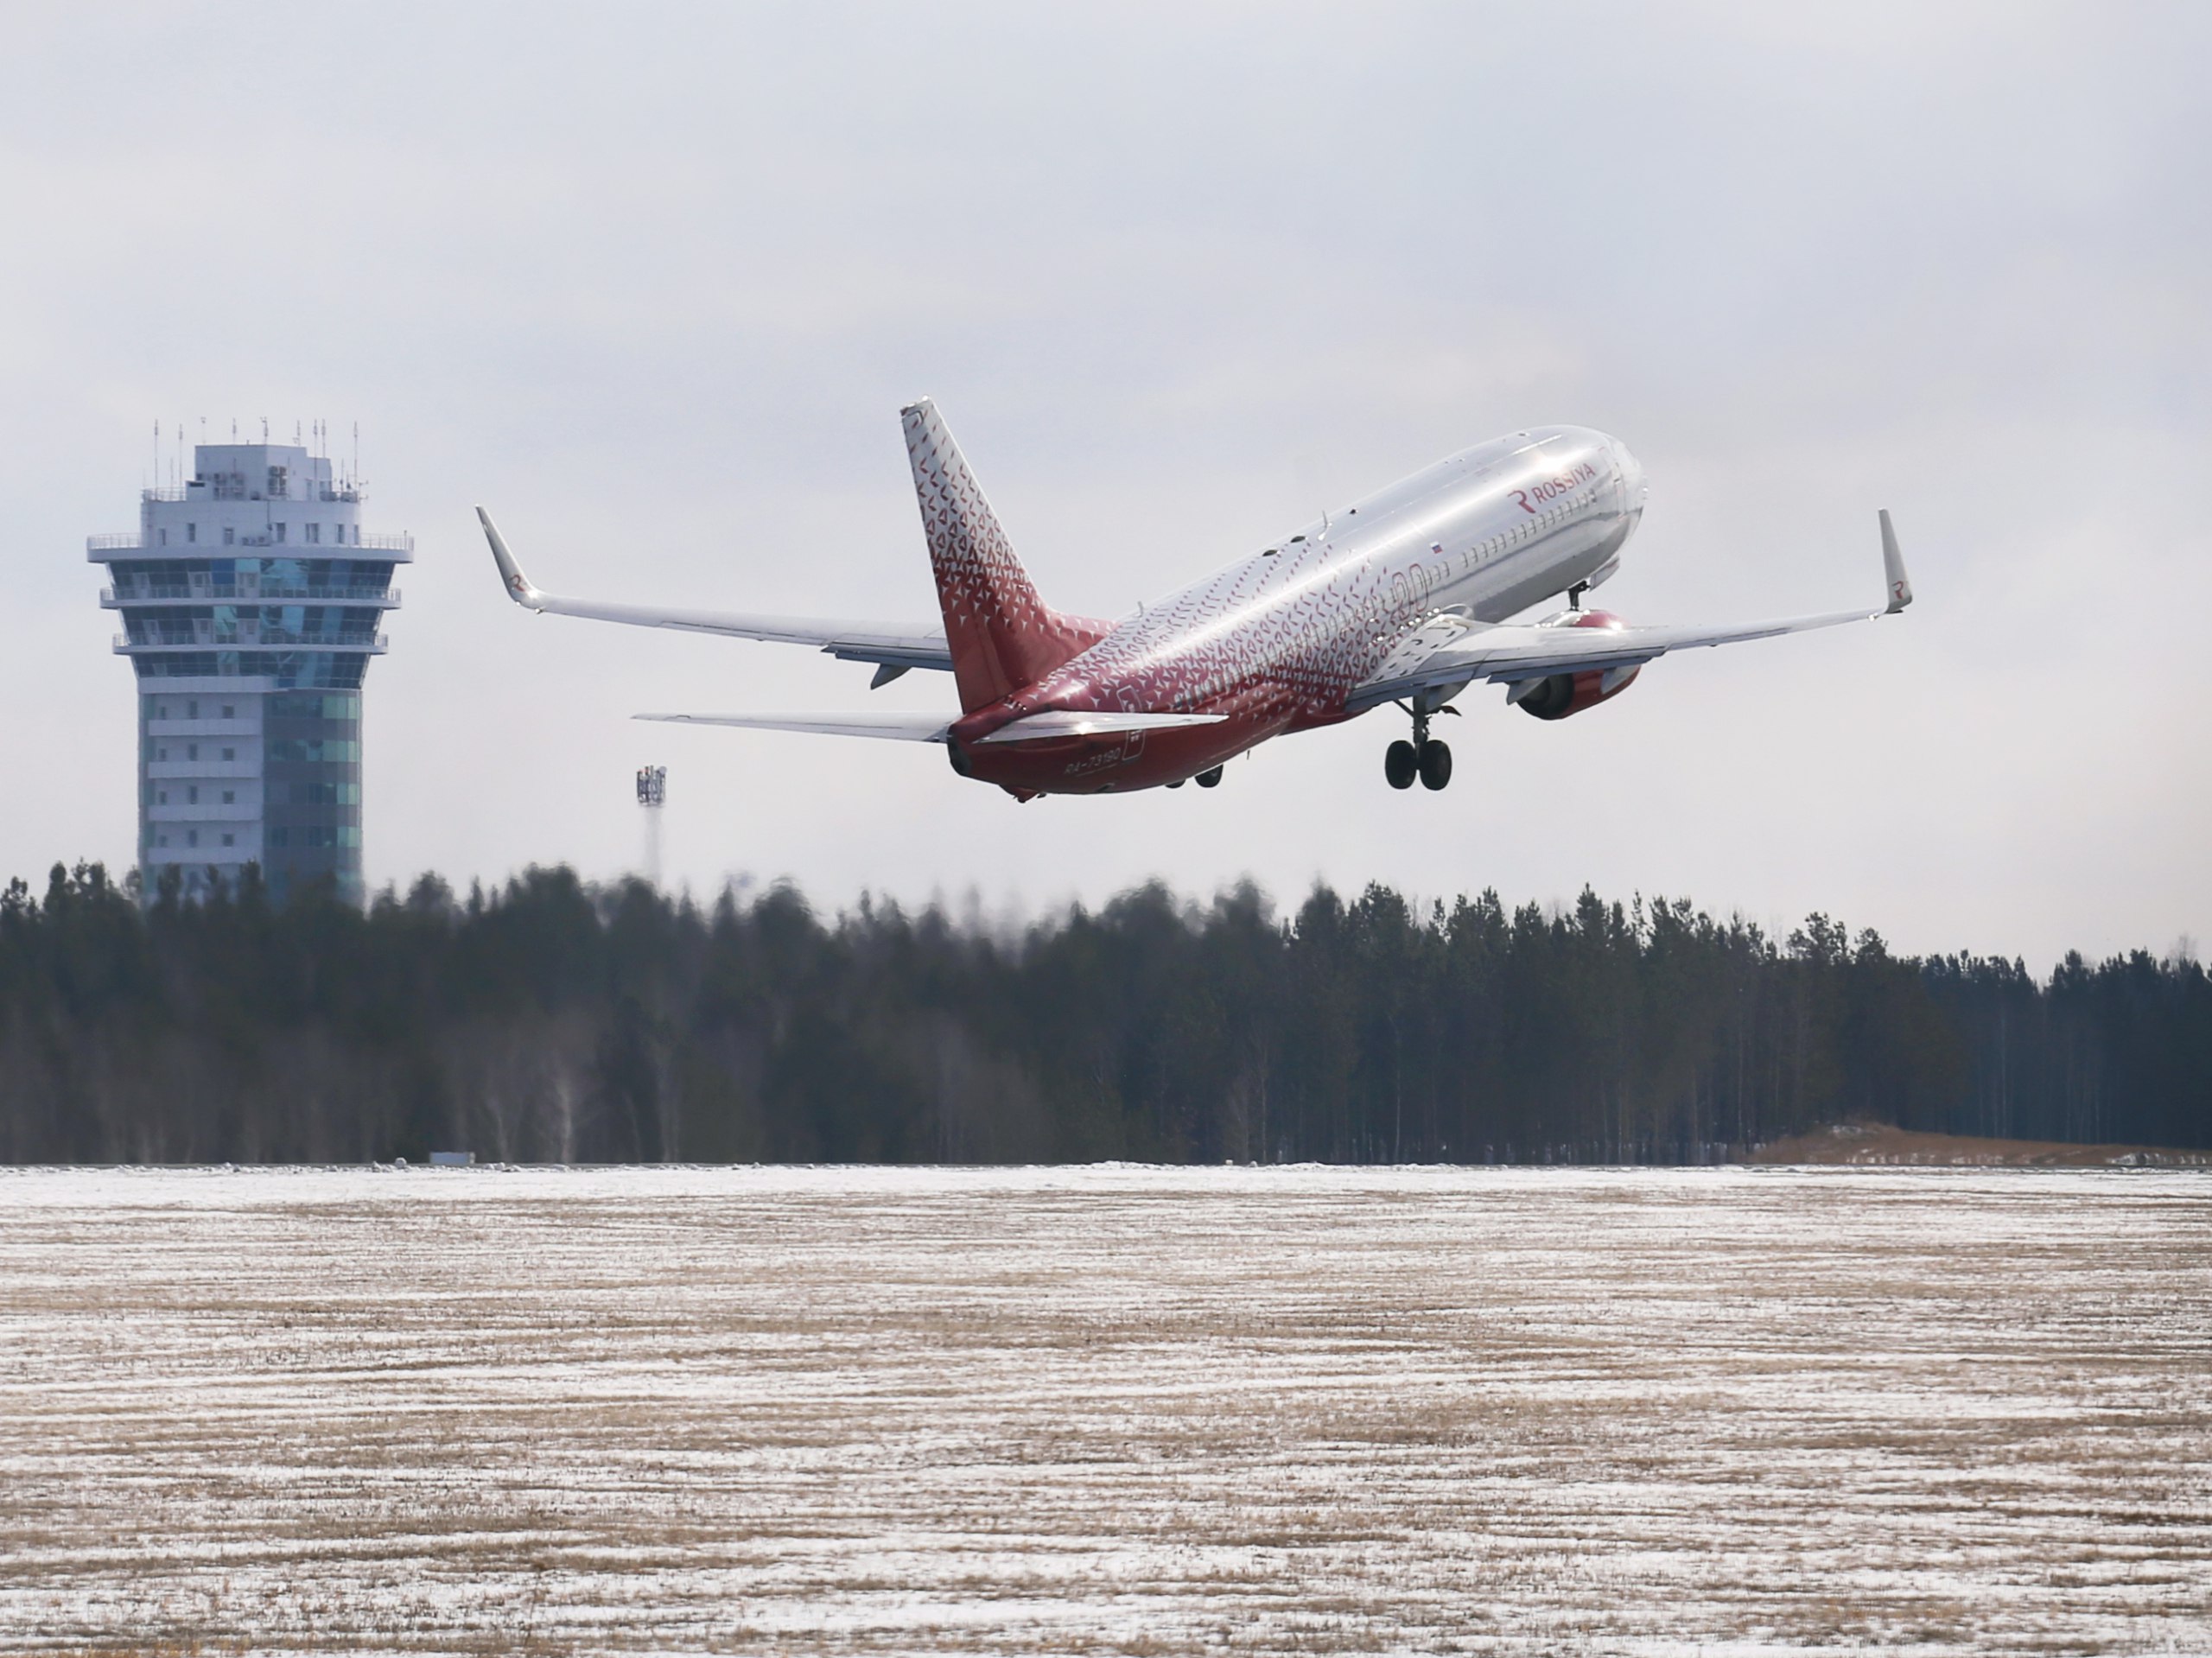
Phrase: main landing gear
[1426,758]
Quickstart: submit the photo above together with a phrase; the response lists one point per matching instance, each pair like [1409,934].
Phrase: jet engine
[1560,694]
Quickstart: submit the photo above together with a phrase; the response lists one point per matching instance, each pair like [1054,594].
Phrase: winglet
[1892,568]
[518,584]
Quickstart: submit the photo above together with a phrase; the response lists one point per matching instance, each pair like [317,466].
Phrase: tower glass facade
[252,600]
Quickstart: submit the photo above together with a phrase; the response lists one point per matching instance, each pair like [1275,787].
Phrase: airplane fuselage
[1280,641]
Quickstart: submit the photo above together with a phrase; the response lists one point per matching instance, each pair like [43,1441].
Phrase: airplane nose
[1633,488]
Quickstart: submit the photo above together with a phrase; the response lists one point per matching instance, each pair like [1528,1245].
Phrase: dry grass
[1111,1411]
[1881,1144]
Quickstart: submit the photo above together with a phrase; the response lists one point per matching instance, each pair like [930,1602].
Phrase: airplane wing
[931,727]
[1447,654]
[894,647]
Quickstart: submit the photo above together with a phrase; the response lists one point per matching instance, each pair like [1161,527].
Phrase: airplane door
[1132,741]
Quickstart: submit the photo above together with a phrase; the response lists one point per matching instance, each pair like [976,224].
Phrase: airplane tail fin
[1002,636]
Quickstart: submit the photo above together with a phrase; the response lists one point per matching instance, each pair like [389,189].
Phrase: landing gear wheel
[1400,764]
[1435,765]
[1207,779]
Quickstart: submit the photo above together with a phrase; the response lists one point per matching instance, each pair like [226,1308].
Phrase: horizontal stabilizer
[896,728]
[1074,722]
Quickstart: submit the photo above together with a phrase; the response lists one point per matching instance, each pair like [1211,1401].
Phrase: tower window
[192,837]
[192,710]
[192,533]
[161,799]
[230,840]
[228,712]
[230,754]
[192,795]
[192,751]
[314,532]
[230,535]
[280,532]
[165,538]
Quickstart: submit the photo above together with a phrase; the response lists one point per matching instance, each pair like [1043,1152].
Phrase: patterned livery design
[1002,636]
[1405,597]
[1278,642]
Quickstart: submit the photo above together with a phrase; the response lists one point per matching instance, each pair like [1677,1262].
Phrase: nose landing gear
[1426,758]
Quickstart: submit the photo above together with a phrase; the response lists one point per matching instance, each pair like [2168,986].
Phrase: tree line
[552,1020]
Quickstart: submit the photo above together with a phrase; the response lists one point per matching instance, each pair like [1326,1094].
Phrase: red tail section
[1002,636]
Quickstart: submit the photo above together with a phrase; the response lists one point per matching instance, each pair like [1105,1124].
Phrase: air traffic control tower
[251,600]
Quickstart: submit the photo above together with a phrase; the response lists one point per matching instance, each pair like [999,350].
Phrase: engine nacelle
[1560,694]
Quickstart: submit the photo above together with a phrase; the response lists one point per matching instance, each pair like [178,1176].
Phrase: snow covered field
[1107,1410]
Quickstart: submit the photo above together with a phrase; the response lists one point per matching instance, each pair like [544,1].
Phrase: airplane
[1404,598]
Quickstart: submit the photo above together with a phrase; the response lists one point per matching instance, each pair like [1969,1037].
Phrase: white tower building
[251,600]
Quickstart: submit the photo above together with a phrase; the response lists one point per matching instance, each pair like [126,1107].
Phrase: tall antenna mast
[653,795]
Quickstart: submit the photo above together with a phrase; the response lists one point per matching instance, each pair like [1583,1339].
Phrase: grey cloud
[653,286]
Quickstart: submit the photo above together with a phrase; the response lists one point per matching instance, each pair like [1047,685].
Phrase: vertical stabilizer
[1002,636]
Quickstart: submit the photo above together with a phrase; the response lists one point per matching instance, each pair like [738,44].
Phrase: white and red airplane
[1402,598]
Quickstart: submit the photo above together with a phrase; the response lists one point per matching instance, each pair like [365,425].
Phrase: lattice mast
[653,796]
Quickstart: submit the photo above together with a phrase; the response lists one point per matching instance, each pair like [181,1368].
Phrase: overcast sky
[651,283]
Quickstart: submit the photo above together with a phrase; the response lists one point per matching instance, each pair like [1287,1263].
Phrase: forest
[552,1020]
